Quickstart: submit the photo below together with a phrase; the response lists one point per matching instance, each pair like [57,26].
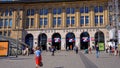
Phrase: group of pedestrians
[112,50]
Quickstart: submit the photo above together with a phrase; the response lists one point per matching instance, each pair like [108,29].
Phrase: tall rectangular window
[86,19]
[68,21]
[10,12]
[96,9]
[6,23]
[45,11]
[10,22]
[59,10]
[82,10]
[41,12]
[72,20]
[96,20]
[5,33]
[100,9]
[68,10]
[86,9]
[9,33]
[54,11]
[27,22]
[1,23]
[59,21]
[6,12]
[32,11]
[101,19]
[54,21]
[45,21]
[28,12]
[82,20]
[32,21]
[41,21]
[0,33]
[72,10]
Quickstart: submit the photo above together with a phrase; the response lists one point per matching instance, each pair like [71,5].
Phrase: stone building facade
[62,24]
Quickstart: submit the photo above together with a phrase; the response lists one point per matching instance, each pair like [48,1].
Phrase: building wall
[21,31]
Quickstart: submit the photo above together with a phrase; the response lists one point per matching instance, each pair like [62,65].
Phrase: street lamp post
[17,24]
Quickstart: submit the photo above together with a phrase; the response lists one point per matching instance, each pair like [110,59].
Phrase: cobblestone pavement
[63,59]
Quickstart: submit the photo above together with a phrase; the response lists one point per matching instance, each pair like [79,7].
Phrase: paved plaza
[63,59]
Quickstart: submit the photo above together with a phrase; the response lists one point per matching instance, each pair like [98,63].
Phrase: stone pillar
[91,16]
[77,15]
[105,17]
[36,18]
[77,42]
[14,18]
[64,18]
[63,44]
[50,18]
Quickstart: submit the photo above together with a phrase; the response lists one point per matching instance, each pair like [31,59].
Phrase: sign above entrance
[85,39]
[57,39]
[71,40]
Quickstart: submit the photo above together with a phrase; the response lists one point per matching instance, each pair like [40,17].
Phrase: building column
[14,19]
[91,16]
[105,17]
[77,42]
[36,17]
[64,18]
[35,42]
[63,43]
[21,20]
[50,18]
[77,16]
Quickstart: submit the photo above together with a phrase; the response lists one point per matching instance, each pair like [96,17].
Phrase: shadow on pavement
[86,61]
[15,58]
[59,67]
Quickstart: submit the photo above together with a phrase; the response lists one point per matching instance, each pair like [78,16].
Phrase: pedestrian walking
[110,50]
[53,50]
[97,51]
[89,50]
[76,49]
[38,57]
[26,51]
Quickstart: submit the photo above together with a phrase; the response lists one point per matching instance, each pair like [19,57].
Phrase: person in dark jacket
[97,51]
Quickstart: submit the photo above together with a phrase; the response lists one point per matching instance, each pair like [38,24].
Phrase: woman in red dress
[38,57]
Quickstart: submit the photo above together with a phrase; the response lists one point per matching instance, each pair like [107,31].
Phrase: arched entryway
[42,41]
[29,41]
[70,41]
[56,40]
[84,40]
[99,39]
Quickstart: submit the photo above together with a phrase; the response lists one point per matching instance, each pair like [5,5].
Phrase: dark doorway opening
[56,41]
[29,41]
[42,41]
[84,40]
[70,41]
